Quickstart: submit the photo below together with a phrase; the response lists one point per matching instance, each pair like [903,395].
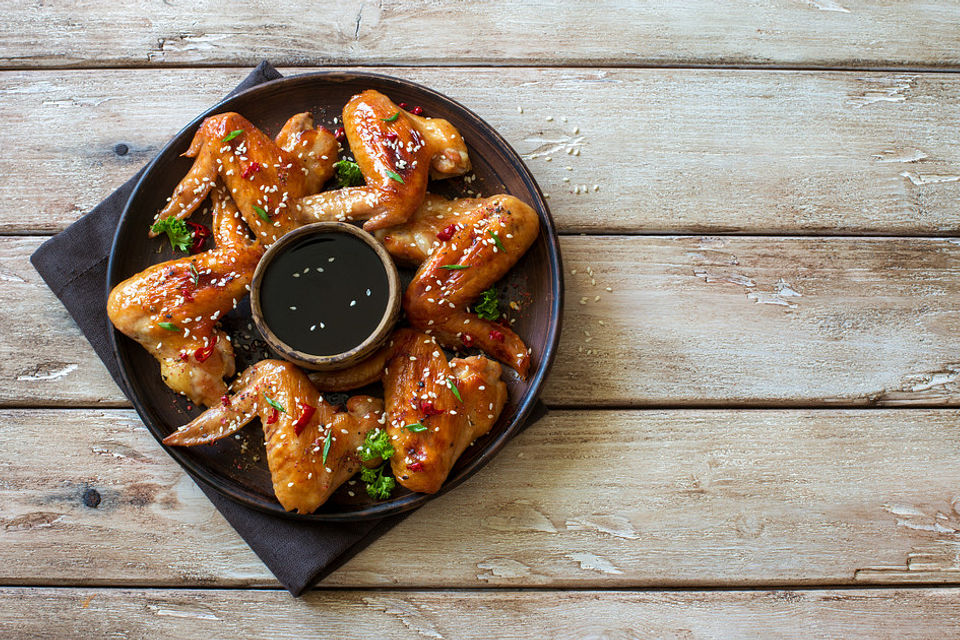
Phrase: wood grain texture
[670,150]
[583,499]
[901,614]
[807,33]
[686,321]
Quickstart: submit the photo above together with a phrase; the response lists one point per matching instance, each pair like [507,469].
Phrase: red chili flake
[417,111]
[340,134]
[225,401]
[203,353]
[273,417]
[184,356]
[391,135]
[447,233]
[402,105]
[200,234]
[186,290]
[496,335]
[467,340]
[251,169]
[428,409]
[416,466]
[306,412]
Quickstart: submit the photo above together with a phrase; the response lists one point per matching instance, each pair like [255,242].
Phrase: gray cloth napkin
[74,265]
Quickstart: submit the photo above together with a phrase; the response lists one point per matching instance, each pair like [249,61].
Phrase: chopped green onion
[273,403]
[416,427]
[392,118]
[453,387]
[496,240]
[455,267]
[233,134]
[169,326]
[326,445]
[262,213]
[194,274]
[395,176]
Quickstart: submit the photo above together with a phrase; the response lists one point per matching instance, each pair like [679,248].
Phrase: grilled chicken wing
[172,308]
[397,151]
[429,426]
[487,238]
[265,177]
[296,438]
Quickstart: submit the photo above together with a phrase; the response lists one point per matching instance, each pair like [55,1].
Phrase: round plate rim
[524,405]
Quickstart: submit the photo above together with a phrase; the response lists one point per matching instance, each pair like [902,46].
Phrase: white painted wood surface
[804,33]
[583,499]
[670,150]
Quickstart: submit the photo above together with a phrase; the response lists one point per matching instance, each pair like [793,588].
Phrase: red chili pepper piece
[225,401]
[391,135]
[467,340]
[447,233]
[428,409]
[306,412]
[402,105]
[416,466]
[184,356]
[203,353]
[496,335]
[251,169]
[417,111]
[273,417]
[340,134]
[200,234]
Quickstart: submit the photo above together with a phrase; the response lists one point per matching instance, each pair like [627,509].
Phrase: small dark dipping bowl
[325,296]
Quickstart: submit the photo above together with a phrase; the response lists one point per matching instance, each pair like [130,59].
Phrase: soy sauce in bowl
[326,295]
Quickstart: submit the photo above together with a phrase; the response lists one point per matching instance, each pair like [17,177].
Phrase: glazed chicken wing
[428,424]
[486,238]
[173,308]
[397,152]
[311,446]
[265,177]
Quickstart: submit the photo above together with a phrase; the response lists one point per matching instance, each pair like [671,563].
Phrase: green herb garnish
[379,486]
[496,240]
[455,267]
[416,427]
[488,307]
[233,134]
[392,118]
[273,403]
[453,387]
[169,326]
[395,176]
[262,213]
[177,232]
[376,445]
[194,274]
[349,174]
[326,445]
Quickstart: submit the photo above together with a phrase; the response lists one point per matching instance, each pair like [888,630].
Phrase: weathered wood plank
[691,498]
[687,321]
[676,151]
[807,33]
[901,614]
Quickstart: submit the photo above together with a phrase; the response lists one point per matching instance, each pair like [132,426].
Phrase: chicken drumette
[264,176]
[312,448]
[435,409]
[173,308]
[396,151]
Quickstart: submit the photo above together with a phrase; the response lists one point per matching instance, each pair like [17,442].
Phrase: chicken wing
[311,446]
[173,308]
[265,177]
[484,243]
[396,151]
[435,409]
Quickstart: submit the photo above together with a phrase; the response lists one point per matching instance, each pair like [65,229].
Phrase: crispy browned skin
[397,152]
[437,298]
[417,384]
[191,293]
[259,172]
[302,480]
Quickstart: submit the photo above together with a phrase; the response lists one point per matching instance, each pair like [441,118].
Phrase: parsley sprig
[488,307]
[179,234]
[348,174]
[379,486]
[376,445]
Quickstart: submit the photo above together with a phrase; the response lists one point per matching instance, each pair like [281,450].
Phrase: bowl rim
[330,362]
[525,404]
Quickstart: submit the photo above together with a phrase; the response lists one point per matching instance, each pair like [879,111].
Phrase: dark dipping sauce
[324,294]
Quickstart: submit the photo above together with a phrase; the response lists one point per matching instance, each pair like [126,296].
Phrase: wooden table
[753,430]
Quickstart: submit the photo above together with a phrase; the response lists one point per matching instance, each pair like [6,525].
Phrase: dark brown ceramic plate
[237,466]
